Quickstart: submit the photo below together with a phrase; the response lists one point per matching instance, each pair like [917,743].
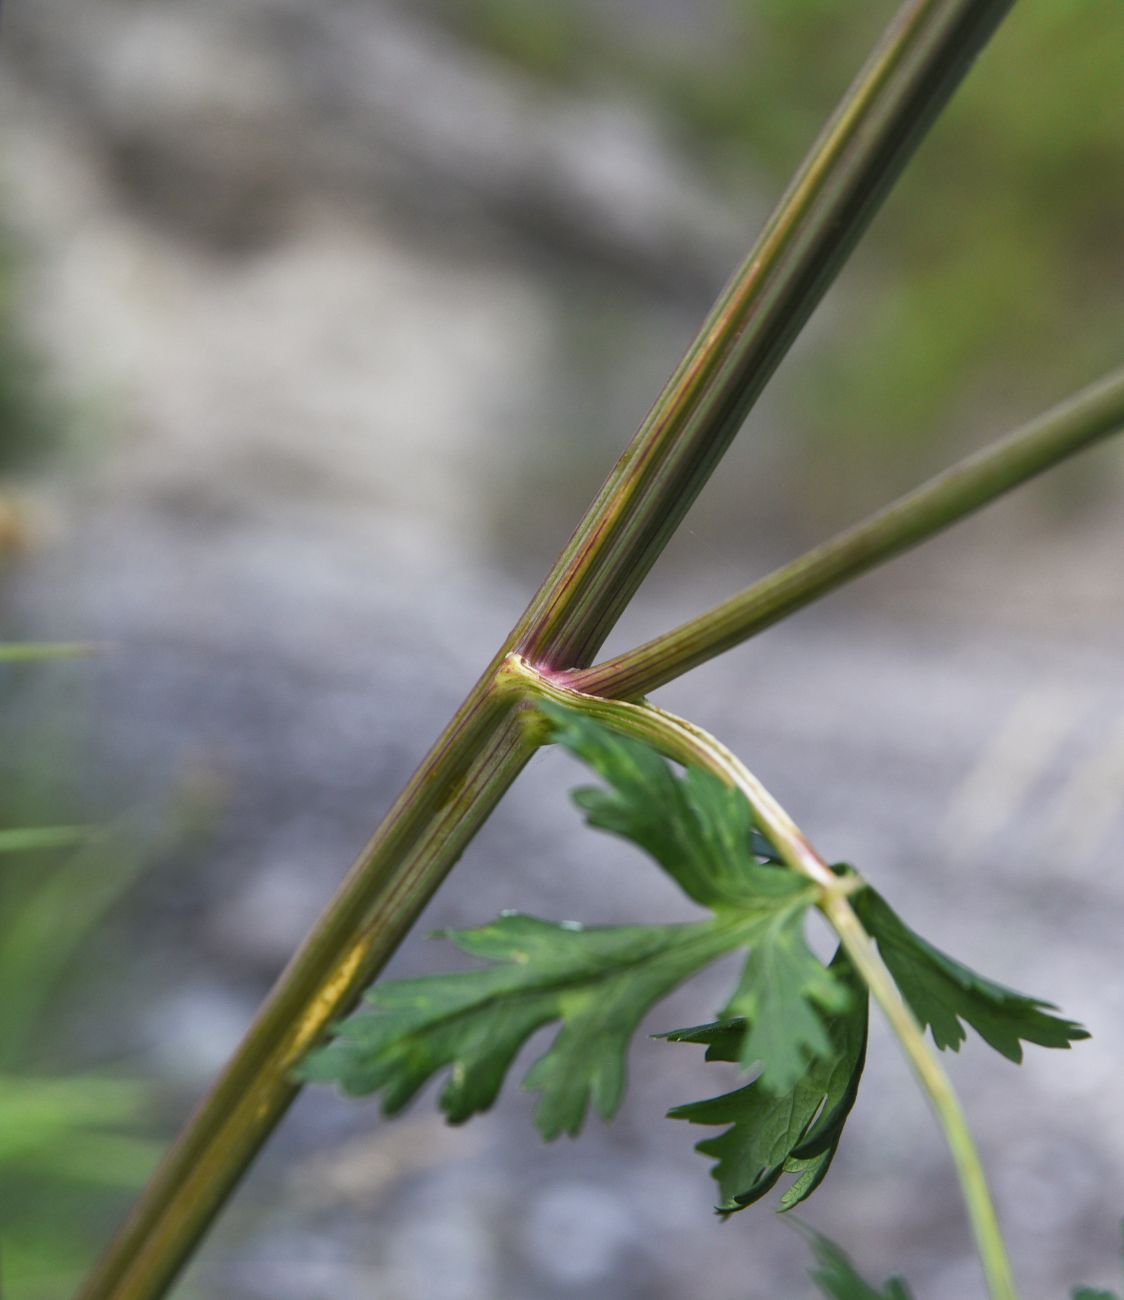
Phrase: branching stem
[1085,418]
[686,743]
[683,741]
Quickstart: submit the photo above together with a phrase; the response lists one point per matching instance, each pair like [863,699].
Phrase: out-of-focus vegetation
[26,422]
[69,1151]
[70,1146]
[77,1136]
[72,1142]
[29,424]
[996,266]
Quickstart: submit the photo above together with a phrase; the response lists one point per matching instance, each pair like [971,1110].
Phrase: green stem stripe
[1090,416]
[913,70]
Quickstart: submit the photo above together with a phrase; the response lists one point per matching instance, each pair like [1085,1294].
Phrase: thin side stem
[685,743]
[689,744]
[1088,417]
[938,1089]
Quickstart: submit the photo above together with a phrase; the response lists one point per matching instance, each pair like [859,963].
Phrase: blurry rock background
[319,326]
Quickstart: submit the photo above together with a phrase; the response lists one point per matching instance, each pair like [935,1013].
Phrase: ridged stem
[911,73]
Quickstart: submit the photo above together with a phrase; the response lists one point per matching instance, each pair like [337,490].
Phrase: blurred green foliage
[69,1151]
[993,271]
[542,37]
[71,1143]
[26,419]
[990,285]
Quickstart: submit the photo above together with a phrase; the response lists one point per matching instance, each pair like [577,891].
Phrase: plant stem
[685,743]
[1086,418]
[470,767]
[689,744]
[914,68]
[937,1087]
[912,72]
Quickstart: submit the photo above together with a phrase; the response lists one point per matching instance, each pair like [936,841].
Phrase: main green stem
[1088,417]
[911,73]
[909,76]
[689,744]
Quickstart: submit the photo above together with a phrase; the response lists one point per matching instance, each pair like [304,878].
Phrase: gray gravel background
[348,360]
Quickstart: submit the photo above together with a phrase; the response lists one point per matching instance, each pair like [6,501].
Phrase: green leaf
[782,995]
[836,1276]
[776,1133]
[599,982]
[699,830]
[941,992]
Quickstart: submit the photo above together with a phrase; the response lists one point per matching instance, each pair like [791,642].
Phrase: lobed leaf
[773,1133]
[698,829]
[701,832]
[837,1277]
[941,992]
[598,982]
[782,995]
